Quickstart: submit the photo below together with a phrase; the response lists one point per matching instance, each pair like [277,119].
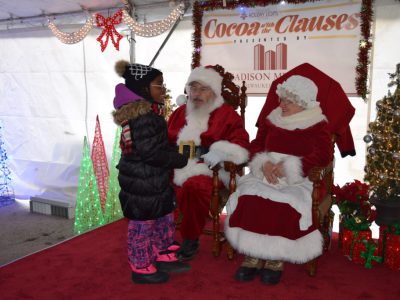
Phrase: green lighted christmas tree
[382,169]
[113,210]
[88,213]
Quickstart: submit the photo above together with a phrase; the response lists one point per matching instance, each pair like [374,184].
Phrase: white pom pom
[181,99]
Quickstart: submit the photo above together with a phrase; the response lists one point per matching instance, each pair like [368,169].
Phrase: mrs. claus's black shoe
[268,276]
[248,269]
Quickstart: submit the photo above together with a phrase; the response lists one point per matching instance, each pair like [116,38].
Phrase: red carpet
[94,266]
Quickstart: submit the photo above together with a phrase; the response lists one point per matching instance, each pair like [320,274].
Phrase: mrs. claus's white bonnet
[300,90]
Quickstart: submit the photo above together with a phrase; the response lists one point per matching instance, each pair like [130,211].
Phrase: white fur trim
[291,164]
[181,99]
[293,169]
[233,152]
[208,77]
[265,246]
[257,162]
[301,120]
[191,169]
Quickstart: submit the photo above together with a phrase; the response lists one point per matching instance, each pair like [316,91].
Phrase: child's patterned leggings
[145,238]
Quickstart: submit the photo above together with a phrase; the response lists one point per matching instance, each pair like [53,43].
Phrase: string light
[153,28]
[73,37]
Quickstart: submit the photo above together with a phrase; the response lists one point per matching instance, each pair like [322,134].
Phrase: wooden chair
[237,98]
[322,215]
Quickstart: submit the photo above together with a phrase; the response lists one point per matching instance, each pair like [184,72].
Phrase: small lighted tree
[88,213]
[100,164]
[169,106]
[113,210]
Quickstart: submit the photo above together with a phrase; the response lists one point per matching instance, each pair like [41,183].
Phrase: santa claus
[210,132]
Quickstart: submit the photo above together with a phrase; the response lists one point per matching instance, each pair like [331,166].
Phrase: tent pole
[167,38]
[132,41]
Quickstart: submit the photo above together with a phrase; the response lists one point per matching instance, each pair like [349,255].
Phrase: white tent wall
[386,53]
[45,111]
[50,94]
[174,59]
[385,56]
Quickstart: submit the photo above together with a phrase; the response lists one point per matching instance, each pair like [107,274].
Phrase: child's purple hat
[123,96]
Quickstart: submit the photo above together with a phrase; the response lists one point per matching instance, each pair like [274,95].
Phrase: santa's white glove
[213,157]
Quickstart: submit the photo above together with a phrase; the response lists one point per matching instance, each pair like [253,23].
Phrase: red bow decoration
[109,29]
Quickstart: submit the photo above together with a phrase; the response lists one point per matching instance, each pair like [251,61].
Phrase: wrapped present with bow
[369,256]
[352,241]
[392,247]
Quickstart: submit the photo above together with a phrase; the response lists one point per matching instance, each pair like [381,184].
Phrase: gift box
[366,253]
[354,239]
[392,251]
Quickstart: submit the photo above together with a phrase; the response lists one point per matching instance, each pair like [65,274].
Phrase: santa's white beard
[199,112]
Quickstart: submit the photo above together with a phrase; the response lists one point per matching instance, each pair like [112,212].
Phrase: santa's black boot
[188,250]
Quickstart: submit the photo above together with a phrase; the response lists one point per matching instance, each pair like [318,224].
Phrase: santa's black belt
[191,151]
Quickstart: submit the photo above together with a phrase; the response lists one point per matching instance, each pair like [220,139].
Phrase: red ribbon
[109,30]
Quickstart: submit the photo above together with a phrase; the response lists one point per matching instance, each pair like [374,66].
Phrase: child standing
[147,197]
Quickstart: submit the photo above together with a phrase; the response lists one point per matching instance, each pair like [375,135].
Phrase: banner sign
[260,43]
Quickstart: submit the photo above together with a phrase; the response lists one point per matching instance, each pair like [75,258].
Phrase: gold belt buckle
[188,149]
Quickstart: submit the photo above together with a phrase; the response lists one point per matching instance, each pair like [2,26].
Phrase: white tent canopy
[31,9]
[51,93]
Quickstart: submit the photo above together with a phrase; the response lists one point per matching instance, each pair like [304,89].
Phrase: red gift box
[361,253]
[354,239]
[392,251]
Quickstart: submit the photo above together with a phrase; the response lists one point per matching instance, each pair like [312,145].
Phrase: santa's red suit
[274,221]
[221,130]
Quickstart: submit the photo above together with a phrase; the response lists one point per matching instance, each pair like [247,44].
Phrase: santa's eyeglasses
[198,89]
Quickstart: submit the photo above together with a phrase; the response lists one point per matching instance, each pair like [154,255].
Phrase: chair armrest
[318,173]
[321,205]
[218,200]
[232,169]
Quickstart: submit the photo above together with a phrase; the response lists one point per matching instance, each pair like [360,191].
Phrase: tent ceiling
[22,9]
